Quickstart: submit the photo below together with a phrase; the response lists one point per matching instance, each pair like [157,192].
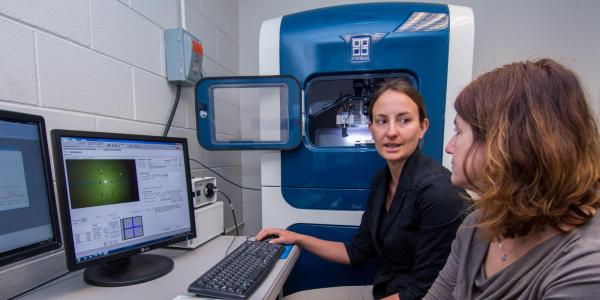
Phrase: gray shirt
[566,266]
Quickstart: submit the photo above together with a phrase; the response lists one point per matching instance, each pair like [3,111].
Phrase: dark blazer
[412,240]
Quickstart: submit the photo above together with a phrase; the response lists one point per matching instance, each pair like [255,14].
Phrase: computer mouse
[269,238]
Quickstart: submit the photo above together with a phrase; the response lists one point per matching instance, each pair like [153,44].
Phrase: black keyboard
[238,274]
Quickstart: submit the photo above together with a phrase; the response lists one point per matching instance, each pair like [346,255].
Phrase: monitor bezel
[34,249]
[65,217]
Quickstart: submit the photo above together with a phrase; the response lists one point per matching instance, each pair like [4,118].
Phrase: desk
[189,265]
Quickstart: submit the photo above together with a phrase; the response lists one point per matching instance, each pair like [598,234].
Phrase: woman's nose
[392,129]
[450,147]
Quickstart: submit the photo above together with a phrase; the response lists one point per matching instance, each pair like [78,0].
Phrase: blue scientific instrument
[309,111]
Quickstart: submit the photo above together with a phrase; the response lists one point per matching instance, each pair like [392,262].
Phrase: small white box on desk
[204,190]
[209,224]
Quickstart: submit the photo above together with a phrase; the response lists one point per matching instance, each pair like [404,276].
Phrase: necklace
[504,257]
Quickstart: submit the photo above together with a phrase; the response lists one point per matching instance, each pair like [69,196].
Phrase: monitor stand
[130,270]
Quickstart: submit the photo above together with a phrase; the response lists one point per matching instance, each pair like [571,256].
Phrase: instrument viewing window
[338,107]
[27,209]
[121,195]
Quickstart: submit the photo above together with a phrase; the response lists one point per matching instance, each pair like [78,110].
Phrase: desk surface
[189,265]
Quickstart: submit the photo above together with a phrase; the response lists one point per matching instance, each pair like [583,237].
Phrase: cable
[37,286]
[325,107]
[235,237]
[232,240]
[217,173]
[173,110]
[232,212]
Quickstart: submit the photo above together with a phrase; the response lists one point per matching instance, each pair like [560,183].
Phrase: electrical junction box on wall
[183,56]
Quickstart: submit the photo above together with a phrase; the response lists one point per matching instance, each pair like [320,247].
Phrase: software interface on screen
[24,196]
[124,194]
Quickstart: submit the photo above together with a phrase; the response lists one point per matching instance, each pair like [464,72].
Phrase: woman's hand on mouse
[329,250]
[278,236]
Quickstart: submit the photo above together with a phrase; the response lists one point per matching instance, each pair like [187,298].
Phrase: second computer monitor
[27,212]
[121,195]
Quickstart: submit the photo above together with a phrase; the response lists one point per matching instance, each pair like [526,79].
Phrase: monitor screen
[121,195]
[27,208]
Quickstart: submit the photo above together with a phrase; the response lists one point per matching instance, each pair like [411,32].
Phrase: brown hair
[402,86]
[542,164]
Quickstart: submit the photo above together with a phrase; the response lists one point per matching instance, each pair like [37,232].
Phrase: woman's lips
[391,146]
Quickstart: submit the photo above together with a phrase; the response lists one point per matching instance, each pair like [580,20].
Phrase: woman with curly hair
[527,143]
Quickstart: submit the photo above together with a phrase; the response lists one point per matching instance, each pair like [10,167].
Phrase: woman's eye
[404,120]
[380,121]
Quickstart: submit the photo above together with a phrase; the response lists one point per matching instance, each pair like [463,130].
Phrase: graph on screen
[13,186]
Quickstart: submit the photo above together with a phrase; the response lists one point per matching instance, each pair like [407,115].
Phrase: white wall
[99,65]
[505,31]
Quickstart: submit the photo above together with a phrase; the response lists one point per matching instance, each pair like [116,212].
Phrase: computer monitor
[121,195]
[27,207]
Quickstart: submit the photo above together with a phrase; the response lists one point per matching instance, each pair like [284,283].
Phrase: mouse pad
[286,251]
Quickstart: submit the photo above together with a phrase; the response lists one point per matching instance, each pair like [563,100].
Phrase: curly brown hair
[542,165]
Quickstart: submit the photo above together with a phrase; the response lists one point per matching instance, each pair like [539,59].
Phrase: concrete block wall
[99,65]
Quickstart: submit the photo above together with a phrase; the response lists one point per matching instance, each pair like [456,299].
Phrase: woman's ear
[424,127]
